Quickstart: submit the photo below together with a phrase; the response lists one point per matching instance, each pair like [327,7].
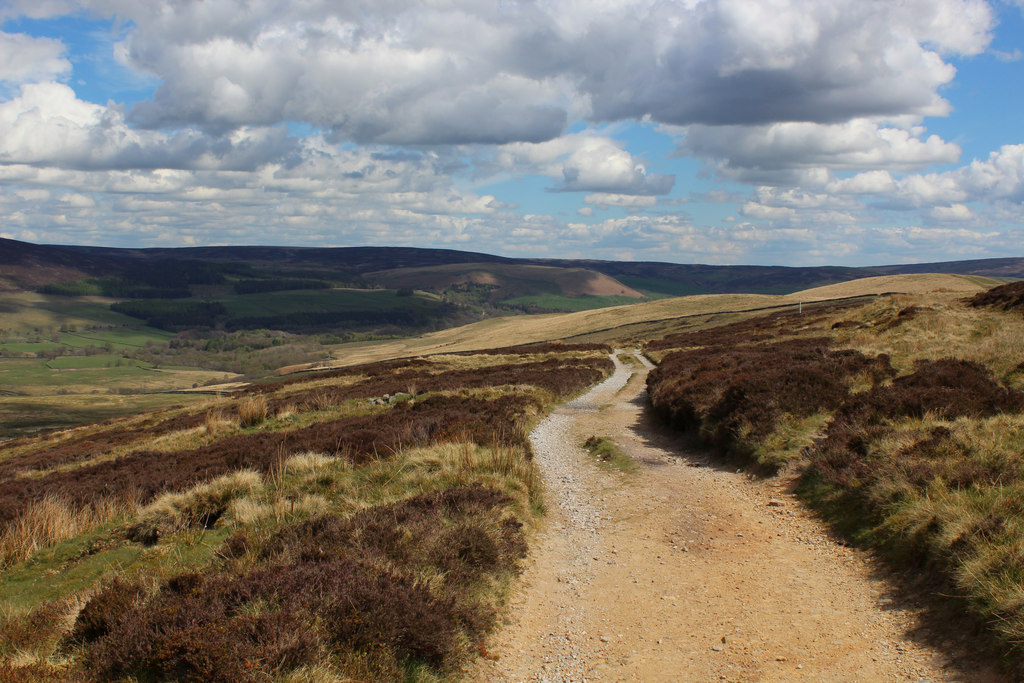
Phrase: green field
[20,415]
[27,313]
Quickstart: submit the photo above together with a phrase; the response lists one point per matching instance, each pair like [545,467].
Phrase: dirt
[686,571]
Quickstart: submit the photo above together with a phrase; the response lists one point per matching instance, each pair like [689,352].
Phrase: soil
[687,571]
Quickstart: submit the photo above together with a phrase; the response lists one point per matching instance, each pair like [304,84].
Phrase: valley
[739,486]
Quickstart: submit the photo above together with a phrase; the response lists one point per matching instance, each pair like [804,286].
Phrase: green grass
[32,347]
[608,455]
[21,415]
[118,338]
[650,285]
[95,362]
[84,561]
[559,302]
[66,370]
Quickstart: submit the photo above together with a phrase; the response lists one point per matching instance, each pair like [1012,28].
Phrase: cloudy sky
[790,132]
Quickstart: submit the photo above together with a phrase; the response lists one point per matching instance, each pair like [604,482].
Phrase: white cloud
[46,124]
[605,200]
[582,162]
[463,71]
[794,153]
[955,213]
[1000,178]
[26,59]
[606,169]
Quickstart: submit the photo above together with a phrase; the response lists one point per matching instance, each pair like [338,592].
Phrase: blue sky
[788,132]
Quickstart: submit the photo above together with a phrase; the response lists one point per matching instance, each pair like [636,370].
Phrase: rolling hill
[27,266]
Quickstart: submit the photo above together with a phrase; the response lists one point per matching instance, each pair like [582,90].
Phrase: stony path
[687,572]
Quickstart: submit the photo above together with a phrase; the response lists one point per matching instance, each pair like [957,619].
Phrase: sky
[770,132]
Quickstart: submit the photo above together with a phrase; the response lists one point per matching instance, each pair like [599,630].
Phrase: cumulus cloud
[47,124]
[797,153]
[25,59]
[581,162]
[464,71]
[999,178]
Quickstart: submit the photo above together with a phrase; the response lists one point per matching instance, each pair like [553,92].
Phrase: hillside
[638,321]
[402,496]
[26,266]
[504,281]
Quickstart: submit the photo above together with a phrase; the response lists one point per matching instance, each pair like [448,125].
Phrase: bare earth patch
[684,571]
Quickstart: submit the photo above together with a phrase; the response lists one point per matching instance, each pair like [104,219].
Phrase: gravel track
[686,571]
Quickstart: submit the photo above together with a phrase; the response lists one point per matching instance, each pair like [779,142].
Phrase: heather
[361,523]
[902,420]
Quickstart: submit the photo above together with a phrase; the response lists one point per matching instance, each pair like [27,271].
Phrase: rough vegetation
[1008,297]
[356,524]
[903,418]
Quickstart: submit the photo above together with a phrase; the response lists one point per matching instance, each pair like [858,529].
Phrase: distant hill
[504,281]
[28,266]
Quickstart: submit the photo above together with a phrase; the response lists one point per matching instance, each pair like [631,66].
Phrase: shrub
[736,396]
[328,586]
[1008,297]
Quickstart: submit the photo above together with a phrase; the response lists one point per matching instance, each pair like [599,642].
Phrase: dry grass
[497,332]
[252,411]
[51,521]
[201,506]
[922,283]
[942,326]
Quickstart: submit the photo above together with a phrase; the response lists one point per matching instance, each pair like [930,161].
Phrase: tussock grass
[252,411]
[942,326]
[52,520]
[201,506]
[791,436]
[216,424]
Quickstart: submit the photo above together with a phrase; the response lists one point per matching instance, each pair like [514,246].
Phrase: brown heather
[362,542]
[912,426]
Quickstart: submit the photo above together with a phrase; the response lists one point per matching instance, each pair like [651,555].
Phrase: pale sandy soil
[684,571]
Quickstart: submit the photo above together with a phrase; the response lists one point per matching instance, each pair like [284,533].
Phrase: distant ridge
[24,265]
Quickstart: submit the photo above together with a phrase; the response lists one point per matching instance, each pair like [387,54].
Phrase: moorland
[330,477]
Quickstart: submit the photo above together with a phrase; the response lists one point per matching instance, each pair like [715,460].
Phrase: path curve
[684,571]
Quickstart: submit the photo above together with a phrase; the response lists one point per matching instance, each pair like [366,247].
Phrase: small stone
[605,639]
[773,502]
[780,658]
[716,648]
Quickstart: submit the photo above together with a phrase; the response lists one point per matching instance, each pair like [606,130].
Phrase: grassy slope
[26,312]
[419,504]
[538,328]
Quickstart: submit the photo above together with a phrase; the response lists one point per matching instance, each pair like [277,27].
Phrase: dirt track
[687,572]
